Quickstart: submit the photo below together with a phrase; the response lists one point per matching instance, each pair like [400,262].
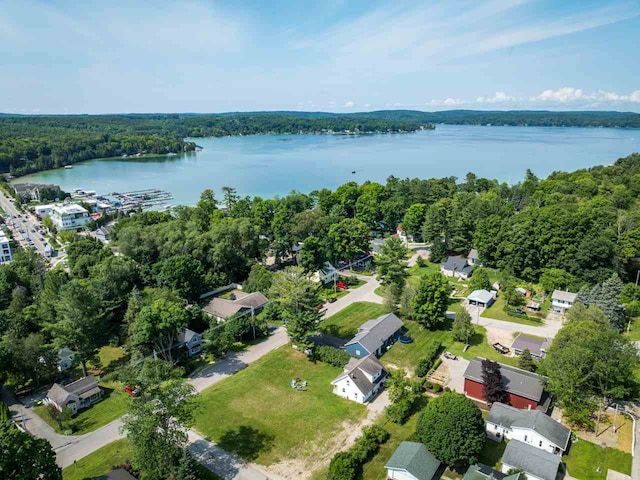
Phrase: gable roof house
[456,267]
[528,426]
[328,273]
[473,258]
[536,464]
[360,380]
[412,461]
[538,347]
[244,304]
[65,359]
[375,336]
[76,395]
[190,341]
[480,471]
[562,301]
[524,389]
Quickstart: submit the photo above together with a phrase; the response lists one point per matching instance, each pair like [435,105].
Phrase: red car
[131,391]
[341,285]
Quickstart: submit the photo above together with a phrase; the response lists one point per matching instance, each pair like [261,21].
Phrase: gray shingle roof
[510,417]
[83,386]
[415,459]
[519,382]
[58,395]
[480,471]
[355,368]
[564,296]
[482,296]
[224,308]
[457,264]
[534,345]
[373,333]
[532,460]
[186,335]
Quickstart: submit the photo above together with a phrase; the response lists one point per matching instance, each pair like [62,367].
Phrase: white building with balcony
[5,249]
[69,216]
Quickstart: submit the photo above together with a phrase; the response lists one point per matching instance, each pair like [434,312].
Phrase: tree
[462,329]
[525,361]
[182,274]
[406,301]
[431,300]
[80,325]
[313,254]
[414,219]
[298,297]
[452,428]
[156,423]
[493,384]
[349,238]
[259,280]
[391,265]
[205,208]
[230,197]
[558,279]
[24,457]
[480,280]
[157,326]
[607,297]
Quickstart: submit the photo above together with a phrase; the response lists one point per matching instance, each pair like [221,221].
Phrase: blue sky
[206,56]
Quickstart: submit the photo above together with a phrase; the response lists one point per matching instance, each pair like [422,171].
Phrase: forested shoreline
[31,144]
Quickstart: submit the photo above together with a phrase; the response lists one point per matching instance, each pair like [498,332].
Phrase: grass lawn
[585,458]
[480,348]
[99,462]
[345,323]
[634,331]
[406,355]
[496,311]
[110,358]
[256,414]
[492,453]
[112,406]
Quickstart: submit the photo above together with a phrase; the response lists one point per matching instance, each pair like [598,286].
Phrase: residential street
[27,224]
[549,329]
[365,293]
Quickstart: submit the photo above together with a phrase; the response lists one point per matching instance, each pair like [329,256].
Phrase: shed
[481,298]
[412,461]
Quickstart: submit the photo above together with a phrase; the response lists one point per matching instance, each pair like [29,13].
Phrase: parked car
[341,285]
[517,311]
[129,390]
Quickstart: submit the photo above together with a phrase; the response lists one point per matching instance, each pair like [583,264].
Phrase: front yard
[112,406]
[257,415]
[496,311]
[588,461]
[346,322]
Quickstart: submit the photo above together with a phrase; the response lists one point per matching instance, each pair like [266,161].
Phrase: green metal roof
[415,459]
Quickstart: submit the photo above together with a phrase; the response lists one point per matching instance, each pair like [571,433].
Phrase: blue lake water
[269,165]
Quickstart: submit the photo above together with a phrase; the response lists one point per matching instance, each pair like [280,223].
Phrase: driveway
[547,330]
[421,252]
[77,447]
[456,369]
[365,293]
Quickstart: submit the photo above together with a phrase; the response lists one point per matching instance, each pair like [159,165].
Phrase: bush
[426,363]
[437,387]
[400,411]
[436,364]
[428,385]
[420,262]
[332,356]
[342,467]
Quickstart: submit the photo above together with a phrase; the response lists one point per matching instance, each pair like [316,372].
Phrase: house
[375,245]
[44,210]
[561,301]
[481,298]
[528,426]
[522,291]
[374,336]
[480,471]
[65,359]
[243,304]
[326,274]
[537,346]
[361,379]
[456,267]
[536,464]
[412,461]
[5,249]
[191,341]
[76,395]
[403,235]
[473,258]
[524,389]
[69,216]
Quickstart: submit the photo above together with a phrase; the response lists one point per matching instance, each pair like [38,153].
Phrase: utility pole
[615,415]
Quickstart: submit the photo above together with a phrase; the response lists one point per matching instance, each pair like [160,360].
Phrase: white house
[536,464]
[65,359]
[361,379]
[403,235]
[326,274]
[242,304]
[561,301]
[531,427]
[77,395]
[412,461]
[191,341]
[69,216]
[44,210]
[457,268]
[5,249]
[473,258]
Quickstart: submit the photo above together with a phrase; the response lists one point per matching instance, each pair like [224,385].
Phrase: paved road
[27,224]
[365,293]
[77,447]
[547,330]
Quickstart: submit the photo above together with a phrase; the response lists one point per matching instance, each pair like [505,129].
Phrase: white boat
[68,167]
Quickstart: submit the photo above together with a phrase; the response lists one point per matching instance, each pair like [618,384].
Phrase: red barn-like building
[525,389]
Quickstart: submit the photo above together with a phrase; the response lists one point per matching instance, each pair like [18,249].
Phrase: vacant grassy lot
[112,406]
[585,458]
[634,331]
[345,323]
[406,355]
[497,312]
[99,462]
[257,414]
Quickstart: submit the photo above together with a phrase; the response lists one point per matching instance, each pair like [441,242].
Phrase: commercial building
[69,216]
[5,249]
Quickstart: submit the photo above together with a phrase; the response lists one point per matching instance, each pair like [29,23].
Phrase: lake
[269,165]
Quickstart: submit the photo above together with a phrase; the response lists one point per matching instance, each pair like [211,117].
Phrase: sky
[330,55]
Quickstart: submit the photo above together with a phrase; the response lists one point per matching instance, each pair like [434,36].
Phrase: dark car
[517,311]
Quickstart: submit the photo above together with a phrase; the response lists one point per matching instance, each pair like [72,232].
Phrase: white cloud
[499,97]
[447,101]
[349,104]
[573,95]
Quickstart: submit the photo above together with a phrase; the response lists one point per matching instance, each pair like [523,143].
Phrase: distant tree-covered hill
[33,143]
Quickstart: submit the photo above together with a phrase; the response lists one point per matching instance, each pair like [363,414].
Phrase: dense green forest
[34,143]
[570,230]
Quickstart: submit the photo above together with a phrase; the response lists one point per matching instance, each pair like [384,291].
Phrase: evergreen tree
[391,266]
[525,361]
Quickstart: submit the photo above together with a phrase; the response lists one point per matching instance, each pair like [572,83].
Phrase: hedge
[426,363]
[332,356]
[347,465]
